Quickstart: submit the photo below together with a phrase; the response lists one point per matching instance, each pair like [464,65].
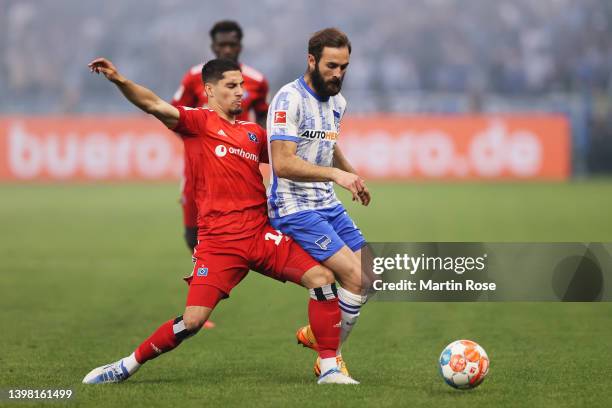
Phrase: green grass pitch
[87,272]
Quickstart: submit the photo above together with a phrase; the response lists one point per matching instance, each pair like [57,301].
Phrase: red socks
[165,338]
[324,318]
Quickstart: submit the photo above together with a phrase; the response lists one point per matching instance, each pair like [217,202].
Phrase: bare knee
[346,266]
[195,317]
[352,284]
[317,277]
[350,277]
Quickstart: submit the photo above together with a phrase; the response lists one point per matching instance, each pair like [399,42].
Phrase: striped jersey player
[303,126]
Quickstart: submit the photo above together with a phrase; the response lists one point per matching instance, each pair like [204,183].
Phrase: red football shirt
[191,93]
[224,162]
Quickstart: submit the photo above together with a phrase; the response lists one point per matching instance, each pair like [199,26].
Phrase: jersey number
[274,237]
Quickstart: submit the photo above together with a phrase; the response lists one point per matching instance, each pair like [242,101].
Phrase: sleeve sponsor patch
[280,117]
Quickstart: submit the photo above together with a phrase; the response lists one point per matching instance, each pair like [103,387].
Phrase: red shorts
[223,264]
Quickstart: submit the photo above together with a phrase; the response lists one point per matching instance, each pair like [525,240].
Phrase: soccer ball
[464,364]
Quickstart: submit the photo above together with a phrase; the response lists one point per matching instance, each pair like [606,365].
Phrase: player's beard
[236,111]
[325,88]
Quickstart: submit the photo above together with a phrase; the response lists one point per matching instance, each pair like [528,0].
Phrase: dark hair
[214,69]
[329,37]
[226,26]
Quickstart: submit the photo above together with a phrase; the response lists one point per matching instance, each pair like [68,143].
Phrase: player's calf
[201,300]
[167,337]
[323,313]
[352,295]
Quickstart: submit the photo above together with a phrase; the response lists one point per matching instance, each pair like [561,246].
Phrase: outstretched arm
[140,96]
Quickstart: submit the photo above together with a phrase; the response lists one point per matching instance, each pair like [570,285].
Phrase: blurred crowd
[408,55]
[507,47]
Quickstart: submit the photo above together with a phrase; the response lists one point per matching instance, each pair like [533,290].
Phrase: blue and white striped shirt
[299,115]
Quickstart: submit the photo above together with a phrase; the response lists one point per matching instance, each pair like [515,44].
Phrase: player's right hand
[104,66]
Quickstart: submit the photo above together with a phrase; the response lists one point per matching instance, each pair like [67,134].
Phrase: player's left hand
[363,193]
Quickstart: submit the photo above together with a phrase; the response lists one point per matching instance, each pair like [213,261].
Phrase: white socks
[350,305]
[327,364]
[131,364]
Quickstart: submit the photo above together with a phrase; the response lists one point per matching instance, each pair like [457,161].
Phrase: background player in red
[234,232]
[226,37]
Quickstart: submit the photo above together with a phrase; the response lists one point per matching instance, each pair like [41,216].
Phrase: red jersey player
[226,37]
[234,232]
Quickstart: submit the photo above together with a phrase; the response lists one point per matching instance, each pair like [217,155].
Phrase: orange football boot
[306,338]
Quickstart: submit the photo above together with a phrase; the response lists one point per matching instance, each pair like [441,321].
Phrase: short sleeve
[191,121]
[284,117]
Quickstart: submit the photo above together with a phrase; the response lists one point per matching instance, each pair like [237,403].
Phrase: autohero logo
[222,151]
[412,264]
[319,134]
